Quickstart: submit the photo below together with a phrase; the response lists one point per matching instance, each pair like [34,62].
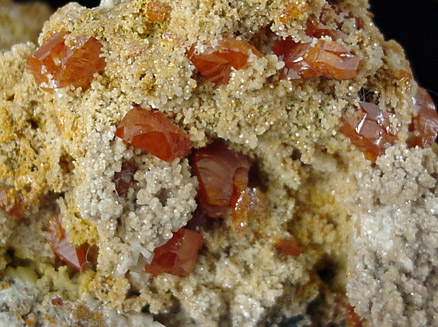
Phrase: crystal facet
[215,63]
[152,131]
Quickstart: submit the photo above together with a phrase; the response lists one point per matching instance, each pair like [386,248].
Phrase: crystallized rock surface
[295,9]
[282,222]
[398,200]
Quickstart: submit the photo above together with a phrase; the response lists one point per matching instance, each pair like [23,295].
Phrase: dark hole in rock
[278,319]
[296,154]
[326,270]
[258,178]
[34,124]
[66,163]
[163,195]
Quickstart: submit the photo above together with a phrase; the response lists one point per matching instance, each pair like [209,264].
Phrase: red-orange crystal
[157,12]
[221,174]
[404,77]
[49,56]
[57,301]
[288,246]
[325,58]
[424,126]
[11,202]
[69,66]
[368,129]
[248,203]
[74,256]
[215,63]
[152,131]
[177,256]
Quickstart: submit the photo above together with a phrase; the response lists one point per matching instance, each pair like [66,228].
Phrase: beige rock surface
[367,232]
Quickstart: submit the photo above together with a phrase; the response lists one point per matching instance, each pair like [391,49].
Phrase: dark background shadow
[414,24]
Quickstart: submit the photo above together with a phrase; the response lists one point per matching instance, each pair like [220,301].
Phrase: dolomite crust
[394,248]
[367,232]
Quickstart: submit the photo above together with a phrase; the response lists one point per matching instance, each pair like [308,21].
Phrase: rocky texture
[366,231]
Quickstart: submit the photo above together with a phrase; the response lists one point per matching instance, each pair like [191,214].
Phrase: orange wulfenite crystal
[215,63]
[369,130]
[222,174]
[404,77]
[152,131]
[177,256]
[157,12]
[248,203]
[49,56]
[294,10]
[11,202]
[73,66]
[239,201]
[424,126]
[326,58]
[70,254]
[288,246]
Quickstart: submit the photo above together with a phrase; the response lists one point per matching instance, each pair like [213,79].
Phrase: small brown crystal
[124,177]
[294,10]
[288,246]
[157,12]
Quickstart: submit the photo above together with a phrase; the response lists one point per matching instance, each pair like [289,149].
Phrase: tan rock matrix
[216,163]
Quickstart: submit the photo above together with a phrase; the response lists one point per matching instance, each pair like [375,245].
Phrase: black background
[413,23]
